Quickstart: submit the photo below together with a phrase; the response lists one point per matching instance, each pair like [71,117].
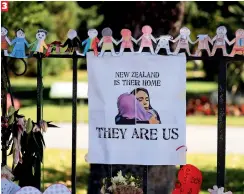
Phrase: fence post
[145,177]
[221,123]
[4,106]
[74,123]
[39,102]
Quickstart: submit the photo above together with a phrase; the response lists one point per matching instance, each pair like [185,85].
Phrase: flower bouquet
[122,185]
[25,137]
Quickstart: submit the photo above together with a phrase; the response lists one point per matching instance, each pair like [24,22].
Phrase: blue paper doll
[91,42]
[19,45]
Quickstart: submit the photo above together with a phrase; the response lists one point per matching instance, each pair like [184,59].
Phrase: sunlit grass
[21,81]
[57,113]
[212,120]
[63,113]
[57,168]
[200,87]
[30,82]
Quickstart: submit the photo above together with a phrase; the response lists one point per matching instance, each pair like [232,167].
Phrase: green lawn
[212,120]
[58,113]
[57,168]
[200,87]
[20,81]
[192,87]
[25,87]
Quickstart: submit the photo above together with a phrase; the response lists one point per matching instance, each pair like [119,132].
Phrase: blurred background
[164,18]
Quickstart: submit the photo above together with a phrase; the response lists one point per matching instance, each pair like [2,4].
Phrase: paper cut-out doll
[219,40]
[203,40]
[164,43]
[5,42]
[19,45]
[39,45]
[72,42]
[53,46]
[91,42]
[126,41]
[107,42]
[183,41]
[238,48]
[146,39]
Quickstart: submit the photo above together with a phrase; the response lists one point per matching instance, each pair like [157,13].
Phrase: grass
[47,80]
[30,82]
[63,113]
[200,87]
[57,168]
[212,120]
[25,89]
[57,113]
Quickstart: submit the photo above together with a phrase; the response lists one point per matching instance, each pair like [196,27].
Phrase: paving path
[200,139]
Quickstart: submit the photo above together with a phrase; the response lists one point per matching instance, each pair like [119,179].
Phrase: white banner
[137,109]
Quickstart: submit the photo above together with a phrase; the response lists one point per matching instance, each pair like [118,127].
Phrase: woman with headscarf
[131,111]
[142,95]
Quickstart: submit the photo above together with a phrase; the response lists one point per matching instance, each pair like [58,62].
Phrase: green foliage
[202,17]
[57,17]
[236,77]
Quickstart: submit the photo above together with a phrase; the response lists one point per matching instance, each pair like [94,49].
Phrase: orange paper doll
[219,40]
[238,47]
[203,40]
[146,39]
[126,41]
[183,41]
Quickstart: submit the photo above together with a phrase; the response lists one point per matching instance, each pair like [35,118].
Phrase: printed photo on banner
[137,109]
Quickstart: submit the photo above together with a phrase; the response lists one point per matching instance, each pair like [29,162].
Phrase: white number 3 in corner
[4,6]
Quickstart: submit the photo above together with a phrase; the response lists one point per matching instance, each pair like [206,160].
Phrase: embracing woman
[131,112]
[142,95]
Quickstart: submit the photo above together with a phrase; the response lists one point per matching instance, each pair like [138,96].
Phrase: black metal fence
[221,61]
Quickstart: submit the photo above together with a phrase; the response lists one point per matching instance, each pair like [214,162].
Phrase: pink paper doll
[183,41]
[238,47]
[219,40]
[203,40]
[126,41]
[146,39]
[107,41]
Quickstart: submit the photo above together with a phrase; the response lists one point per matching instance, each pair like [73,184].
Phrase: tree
[164,18]
[202,17]
[56,17]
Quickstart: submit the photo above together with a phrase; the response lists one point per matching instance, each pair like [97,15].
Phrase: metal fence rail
[221,123]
